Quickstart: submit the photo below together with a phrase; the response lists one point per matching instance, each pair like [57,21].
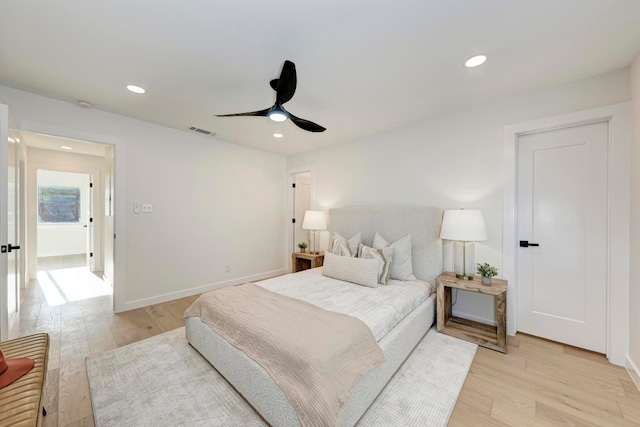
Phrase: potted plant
[487,271]
[302,246]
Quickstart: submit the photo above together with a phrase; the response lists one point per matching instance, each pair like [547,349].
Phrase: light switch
[136,207]
[147,207]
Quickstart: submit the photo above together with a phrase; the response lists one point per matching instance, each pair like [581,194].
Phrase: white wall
[63,238]
[453,161]
[633,362]
[214,203]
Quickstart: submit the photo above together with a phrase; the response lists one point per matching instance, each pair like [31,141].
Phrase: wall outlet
[147,207]
[226,268]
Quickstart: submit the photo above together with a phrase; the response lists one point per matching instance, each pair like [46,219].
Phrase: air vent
[202,131]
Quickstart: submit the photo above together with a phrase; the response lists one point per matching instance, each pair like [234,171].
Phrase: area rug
[163,381]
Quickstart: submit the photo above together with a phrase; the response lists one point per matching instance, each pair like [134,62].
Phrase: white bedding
[381,308]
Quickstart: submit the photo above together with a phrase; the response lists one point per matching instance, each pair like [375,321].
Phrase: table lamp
[465,227]
[314,221]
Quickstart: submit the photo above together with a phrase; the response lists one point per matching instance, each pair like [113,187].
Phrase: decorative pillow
[384,255]
[355,270]
[401,266]
[343,247]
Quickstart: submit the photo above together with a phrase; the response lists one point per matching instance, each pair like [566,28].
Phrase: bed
[252,381]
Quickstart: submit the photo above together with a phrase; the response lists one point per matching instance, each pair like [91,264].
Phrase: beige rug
[162,381]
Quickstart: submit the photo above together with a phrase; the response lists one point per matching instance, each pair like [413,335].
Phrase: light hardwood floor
[537,383]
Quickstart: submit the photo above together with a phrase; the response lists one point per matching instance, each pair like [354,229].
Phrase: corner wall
[214,203]
[454,161]
[633,360]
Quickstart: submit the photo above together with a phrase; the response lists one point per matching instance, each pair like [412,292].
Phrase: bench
[21,403]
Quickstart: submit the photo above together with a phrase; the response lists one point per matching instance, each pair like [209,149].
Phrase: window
[58,204]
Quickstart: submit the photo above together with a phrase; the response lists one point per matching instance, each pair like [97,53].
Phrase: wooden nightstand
[489,336]
[304,261]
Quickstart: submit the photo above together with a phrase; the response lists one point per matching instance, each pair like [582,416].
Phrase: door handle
[8,248]
[526,244]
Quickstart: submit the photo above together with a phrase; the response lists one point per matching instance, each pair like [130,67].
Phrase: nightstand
[304,261]
[489,336]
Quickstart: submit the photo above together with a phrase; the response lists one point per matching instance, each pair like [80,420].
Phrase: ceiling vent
[201,131]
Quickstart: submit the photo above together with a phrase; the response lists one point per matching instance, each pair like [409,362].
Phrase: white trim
[200,289]
[633,370]
[618,116]
[95,176]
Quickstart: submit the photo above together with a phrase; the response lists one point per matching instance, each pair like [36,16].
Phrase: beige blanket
[316,356]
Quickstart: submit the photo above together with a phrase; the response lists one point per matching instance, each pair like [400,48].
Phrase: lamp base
[464,260]
[313,236]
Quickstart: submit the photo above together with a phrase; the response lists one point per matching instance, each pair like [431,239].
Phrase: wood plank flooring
[537,383]
[544,383]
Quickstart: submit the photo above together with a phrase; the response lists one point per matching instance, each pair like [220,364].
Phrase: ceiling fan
[285,87]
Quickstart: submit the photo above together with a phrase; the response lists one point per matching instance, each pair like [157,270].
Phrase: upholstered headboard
[394,222]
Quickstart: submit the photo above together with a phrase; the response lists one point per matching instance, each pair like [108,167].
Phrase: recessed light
[474,61]
[84,104]
[278,135]
[136,89]
[64,147]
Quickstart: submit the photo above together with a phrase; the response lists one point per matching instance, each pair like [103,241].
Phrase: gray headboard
[393,222]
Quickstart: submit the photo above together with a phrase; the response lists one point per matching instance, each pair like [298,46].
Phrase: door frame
[619,149]
[95,176]
[289,245]
[119,201]
[7,125]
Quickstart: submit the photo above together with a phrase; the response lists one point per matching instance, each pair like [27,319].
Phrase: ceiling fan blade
[261,113]
[286,84]
[306,124]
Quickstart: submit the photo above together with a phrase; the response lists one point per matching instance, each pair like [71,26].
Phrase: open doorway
[301,203]
[65,237]
[69,204]
[64,219]
[300,200]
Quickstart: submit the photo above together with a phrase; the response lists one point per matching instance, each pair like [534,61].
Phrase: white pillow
[384,255]
[401,266]
[343,247]
[355,270]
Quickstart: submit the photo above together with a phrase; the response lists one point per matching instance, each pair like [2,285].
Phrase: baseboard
[131,305]
[633,370]
[467,316]
[58,254]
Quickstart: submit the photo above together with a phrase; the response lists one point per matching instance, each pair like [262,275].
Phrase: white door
[9,243]
[562,207]
[89,225]
[301,203]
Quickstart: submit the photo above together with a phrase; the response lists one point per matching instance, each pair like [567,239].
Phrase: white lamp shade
[462,224]
[314,220]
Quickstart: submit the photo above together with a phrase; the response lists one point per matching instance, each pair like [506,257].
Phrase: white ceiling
[363,66]
[48,142]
